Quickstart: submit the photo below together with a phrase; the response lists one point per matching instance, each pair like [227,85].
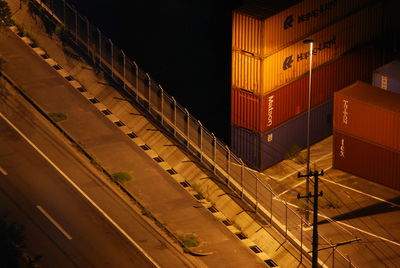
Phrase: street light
[308,41]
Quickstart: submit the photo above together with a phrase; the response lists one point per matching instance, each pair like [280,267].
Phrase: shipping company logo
[342,149]
[288,62]
[345,112]
[270,109]
[288,23]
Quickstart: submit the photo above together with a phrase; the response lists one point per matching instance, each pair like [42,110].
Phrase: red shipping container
[366,160]
[261,114]
[368,113]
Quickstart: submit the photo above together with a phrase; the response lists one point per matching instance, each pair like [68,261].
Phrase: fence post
[228,162]
[149,88]
[162,104]
[187,127]
[65,13]
[174,119]
[286,227]
[99,46]
[256,193]
[76,25]
[136,80]
[241,176]
[112,58]
[124,73]
[88,36]
[201,139]
[214,152]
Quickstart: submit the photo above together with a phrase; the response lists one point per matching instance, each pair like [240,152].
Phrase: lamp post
[308,41]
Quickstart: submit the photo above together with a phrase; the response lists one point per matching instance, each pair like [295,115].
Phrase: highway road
[71,218]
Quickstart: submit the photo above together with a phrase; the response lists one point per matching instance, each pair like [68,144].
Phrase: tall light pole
[308,41]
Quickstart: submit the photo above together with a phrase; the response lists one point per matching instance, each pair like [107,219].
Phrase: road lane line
[53,221]
[2,170]
[81,192]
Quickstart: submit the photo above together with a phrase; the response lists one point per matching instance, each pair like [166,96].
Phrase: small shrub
[122,176]
[189,240]
[5,14]
[147,213]
[58,116]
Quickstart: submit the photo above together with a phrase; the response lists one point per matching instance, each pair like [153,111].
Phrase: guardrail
[186,129]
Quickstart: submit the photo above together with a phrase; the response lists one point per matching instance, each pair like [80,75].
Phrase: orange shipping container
[246,34]
[299,21]
[246,71]
[368,113]
[292,62]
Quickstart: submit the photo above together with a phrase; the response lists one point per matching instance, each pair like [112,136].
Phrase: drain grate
[185,184]
[213,209]
[132,135]
[256,249]
[241,236]
[271,263]
[69,78]
[82,89]
[119,123]
[145,147]
[227,222]
[106,112]
[199,196]
[94,100]
[158,159]
[172,171]
[57,67]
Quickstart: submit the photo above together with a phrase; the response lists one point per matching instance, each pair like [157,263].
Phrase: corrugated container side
[331,42]
[387,77]
[246,71]
[246,145]
[366,160]
[279,141]
[368,113]
[245,110]
[303,19]
[246,33]
[276,143]
[291,100]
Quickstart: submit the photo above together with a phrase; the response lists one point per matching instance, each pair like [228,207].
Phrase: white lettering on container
[345,113]
[269,137]
[270,109]
[342,149]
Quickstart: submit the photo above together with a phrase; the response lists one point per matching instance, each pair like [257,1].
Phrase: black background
[184,45]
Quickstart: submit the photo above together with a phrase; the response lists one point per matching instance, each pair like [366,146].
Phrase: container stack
[387,77]
[270,64]
[366,133]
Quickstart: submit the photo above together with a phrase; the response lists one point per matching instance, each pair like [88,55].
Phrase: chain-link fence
[213,153]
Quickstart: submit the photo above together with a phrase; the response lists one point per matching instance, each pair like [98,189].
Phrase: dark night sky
[183,45]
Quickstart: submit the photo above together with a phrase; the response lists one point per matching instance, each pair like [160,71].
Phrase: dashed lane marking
[3,171]
[53,221]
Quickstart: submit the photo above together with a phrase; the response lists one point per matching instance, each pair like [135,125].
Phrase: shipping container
[387,77]
[368,113]
[246,71]
[366,160]
[261,114]
[329,43]
[303,19]
[263,151]
[246,34]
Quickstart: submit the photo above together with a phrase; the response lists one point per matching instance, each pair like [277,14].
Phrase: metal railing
[203,144]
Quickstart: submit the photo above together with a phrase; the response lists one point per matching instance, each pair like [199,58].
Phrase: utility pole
[316,174]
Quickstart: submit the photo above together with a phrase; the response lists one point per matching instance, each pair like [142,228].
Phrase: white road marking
[363,193]
[80,191]
[351,227]
[53,221]
[2,170]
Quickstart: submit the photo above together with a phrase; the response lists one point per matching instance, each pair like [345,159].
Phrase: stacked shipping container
[367,133]
[269,72]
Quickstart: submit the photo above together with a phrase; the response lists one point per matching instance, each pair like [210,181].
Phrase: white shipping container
[246,34]
[246,71]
